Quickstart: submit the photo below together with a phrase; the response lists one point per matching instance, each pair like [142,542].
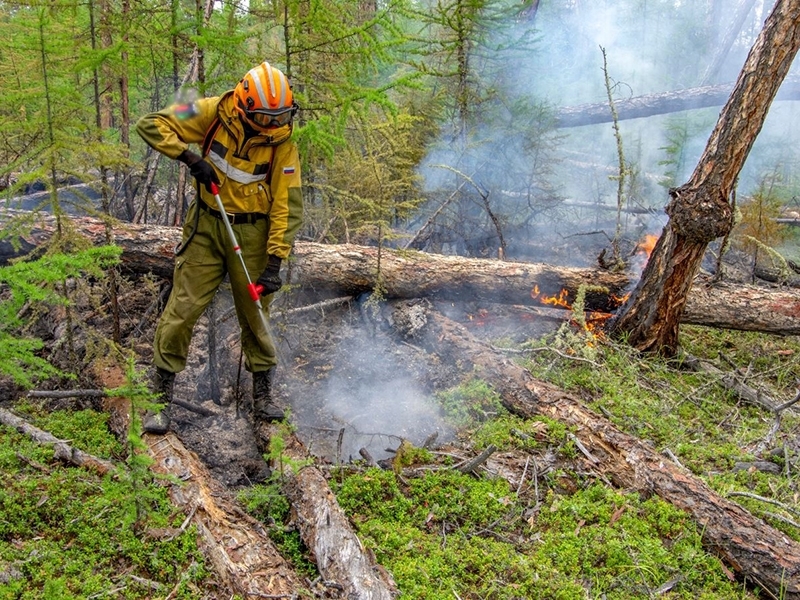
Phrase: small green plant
[470,403]
[35,283]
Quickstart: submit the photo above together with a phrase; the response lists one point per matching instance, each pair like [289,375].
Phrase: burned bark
[235,544]
[699,210]
[346,269]
[341,559]
[757,552]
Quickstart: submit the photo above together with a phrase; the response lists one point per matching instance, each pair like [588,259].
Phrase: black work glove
[202,171]
[270,279]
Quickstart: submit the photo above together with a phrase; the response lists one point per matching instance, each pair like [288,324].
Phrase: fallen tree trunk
[659,104]
[347,269]
[757,552]
[341,559]
[61,449]
[234,543]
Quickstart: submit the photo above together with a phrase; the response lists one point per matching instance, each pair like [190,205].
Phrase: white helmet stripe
[271,79]
[261,96]
[284,87]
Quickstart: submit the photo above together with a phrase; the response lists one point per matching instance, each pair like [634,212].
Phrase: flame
[647,244]
[593,321]
[560,300]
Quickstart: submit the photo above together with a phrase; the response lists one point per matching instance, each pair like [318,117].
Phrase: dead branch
[62,450]
[478,460]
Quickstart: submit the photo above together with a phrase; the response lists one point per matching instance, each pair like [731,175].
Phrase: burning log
[753,549]
[346,269]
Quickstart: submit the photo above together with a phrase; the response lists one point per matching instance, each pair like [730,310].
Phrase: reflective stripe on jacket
[257,174]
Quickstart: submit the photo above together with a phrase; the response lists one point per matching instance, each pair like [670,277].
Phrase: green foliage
[676,409]
[470,403]
[447,533]
[57,519]
[757,232]
[508,432]
[267,503]
[620,546]
[33,283]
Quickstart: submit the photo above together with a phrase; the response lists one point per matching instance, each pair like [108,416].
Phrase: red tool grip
[255,291]
[214,188]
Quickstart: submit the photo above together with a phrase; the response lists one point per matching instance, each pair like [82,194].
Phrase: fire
[593,321]
[647,244]
[560,300]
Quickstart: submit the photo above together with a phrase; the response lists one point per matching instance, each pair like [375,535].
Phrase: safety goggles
[271,118]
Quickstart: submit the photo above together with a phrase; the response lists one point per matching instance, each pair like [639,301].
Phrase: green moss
[470,403]
[64,532]
[509,432]
[266,503]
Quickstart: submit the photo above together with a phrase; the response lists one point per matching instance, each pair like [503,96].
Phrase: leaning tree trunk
[699,210]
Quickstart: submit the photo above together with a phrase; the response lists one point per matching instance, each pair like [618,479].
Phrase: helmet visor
[271,118]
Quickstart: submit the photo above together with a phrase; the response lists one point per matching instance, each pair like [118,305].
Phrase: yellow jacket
[259,174]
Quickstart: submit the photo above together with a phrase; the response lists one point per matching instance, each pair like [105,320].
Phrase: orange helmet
[264,97]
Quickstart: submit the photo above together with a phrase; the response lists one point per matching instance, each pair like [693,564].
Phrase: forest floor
[353,389]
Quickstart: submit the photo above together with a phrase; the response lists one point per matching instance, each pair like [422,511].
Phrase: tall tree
[700,210]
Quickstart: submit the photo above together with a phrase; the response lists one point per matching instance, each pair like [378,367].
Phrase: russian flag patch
[288,170]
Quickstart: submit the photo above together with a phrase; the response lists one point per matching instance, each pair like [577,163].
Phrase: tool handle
[255,291]
[214,188]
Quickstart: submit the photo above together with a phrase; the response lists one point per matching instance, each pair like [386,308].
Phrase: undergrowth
[568,533]
[554,530]
[67,533]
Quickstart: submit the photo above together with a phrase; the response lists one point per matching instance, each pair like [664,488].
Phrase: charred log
[757,552]
[346,269]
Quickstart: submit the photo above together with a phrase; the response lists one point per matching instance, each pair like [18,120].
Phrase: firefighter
[244,137]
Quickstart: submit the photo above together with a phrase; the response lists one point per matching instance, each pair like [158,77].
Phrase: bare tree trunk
[699,210]
[724,47]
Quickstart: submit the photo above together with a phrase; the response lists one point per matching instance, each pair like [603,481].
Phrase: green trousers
[199,271]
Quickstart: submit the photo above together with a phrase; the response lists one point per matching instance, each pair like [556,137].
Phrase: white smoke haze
[651,47]
[377,401]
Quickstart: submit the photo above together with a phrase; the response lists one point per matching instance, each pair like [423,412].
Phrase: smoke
[651,48]
[373,396]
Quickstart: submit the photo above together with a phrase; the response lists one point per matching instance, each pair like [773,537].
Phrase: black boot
[163,384]
[264,408]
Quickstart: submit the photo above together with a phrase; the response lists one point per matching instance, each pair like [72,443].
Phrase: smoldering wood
[61,449]
[753,549]
[351,270]
[325,529]
[235,544]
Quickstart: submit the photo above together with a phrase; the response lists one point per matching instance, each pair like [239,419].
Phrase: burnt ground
[348,383]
